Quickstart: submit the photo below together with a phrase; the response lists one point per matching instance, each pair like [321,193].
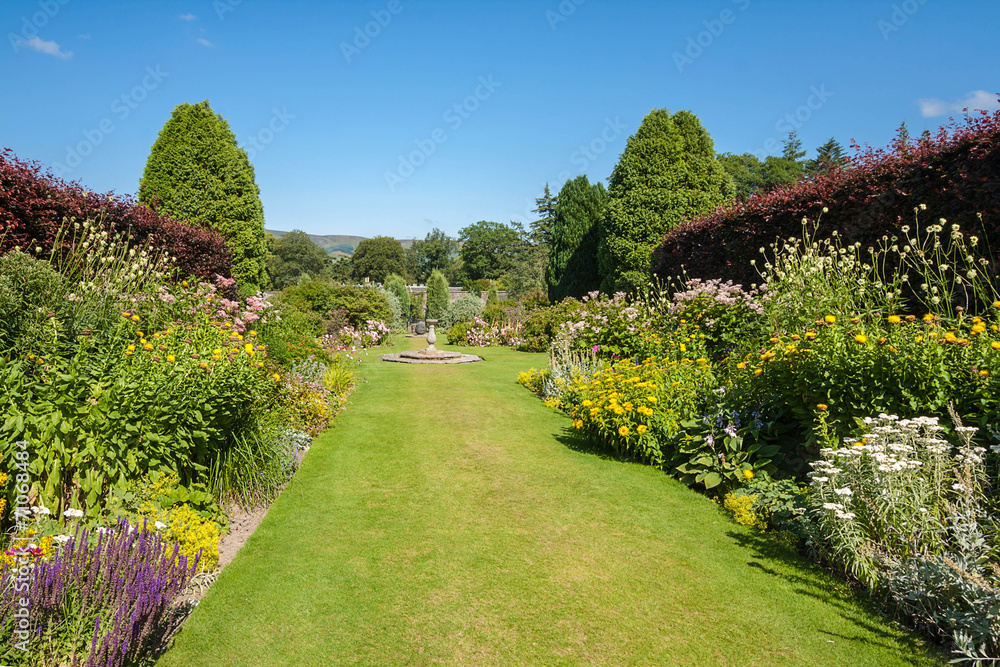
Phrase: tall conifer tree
[197,172]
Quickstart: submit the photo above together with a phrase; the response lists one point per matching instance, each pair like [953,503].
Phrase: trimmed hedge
[34,204]
[955,173]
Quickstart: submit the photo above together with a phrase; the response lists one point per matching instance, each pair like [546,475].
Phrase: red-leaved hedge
[34,203]
[956,173]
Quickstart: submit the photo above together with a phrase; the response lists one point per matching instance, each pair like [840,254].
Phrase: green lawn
[451,518]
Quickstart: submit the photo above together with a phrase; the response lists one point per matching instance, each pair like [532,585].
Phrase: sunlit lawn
[450,518]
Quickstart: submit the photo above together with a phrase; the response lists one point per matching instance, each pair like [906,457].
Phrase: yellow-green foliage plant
[741,506]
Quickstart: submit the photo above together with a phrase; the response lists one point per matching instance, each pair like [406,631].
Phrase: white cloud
[977,99]
[187,17]
[205,42]
[51,48]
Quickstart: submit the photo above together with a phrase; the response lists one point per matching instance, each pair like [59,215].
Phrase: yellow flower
[619,411]
[995,345]
[758,371]
[651,399]
[996,304]
[623,431]
[748,474]
[702,360]
[593,411]
[140,334]
[577,423]
[147,347]
[928,318]
[171,358]
[587,403]
[683,347]
[184,283]
[894,319]
[217,351]
[822,407]
[640,429]
[810,335]
[276,377]
[984,374]
[861,338]
[248,348]
[135,318]
[830,319]
[203,365]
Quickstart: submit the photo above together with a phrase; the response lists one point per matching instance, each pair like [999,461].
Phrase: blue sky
[446,113]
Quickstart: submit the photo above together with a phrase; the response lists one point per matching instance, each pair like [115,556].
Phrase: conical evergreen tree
[438,297]
[196,171]
[573,258]
[541,229]
[667,173]
[829,156]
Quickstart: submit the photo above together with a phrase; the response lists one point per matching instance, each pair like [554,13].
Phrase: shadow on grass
[854,606]
[577,442]
[808,578]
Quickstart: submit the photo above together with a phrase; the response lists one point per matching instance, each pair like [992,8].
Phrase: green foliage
[575,233]
[751,175]
[354,303]
[377,258]
[541,229]
[829,156]
[395,284]
[488,249]
[31,295]
[437,250]
[667,173]
[296,256]
[438,296]
[461,310]
[541,325]
[293,337]
[197,172]
[527,271]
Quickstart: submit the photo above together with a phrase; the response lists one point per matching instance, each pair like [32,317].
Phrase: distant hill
[337,243]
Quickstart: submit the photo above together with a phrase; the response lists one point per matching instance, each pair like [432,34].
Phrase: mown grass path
[450,518]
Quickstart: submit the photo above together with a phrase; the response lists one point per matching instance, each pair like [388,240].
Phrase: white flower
[821,479]
[62,539]
[41,510]
[845,515]
[846,491]
[159,525]
[73,514]
[832,506]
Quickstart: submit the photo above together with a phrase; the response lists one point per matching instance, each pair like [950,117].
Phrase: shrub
[870,199]
[541,325]
[357,304]
[397,285]
[438,297]
[34,205]
[31,294]
[462,310]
